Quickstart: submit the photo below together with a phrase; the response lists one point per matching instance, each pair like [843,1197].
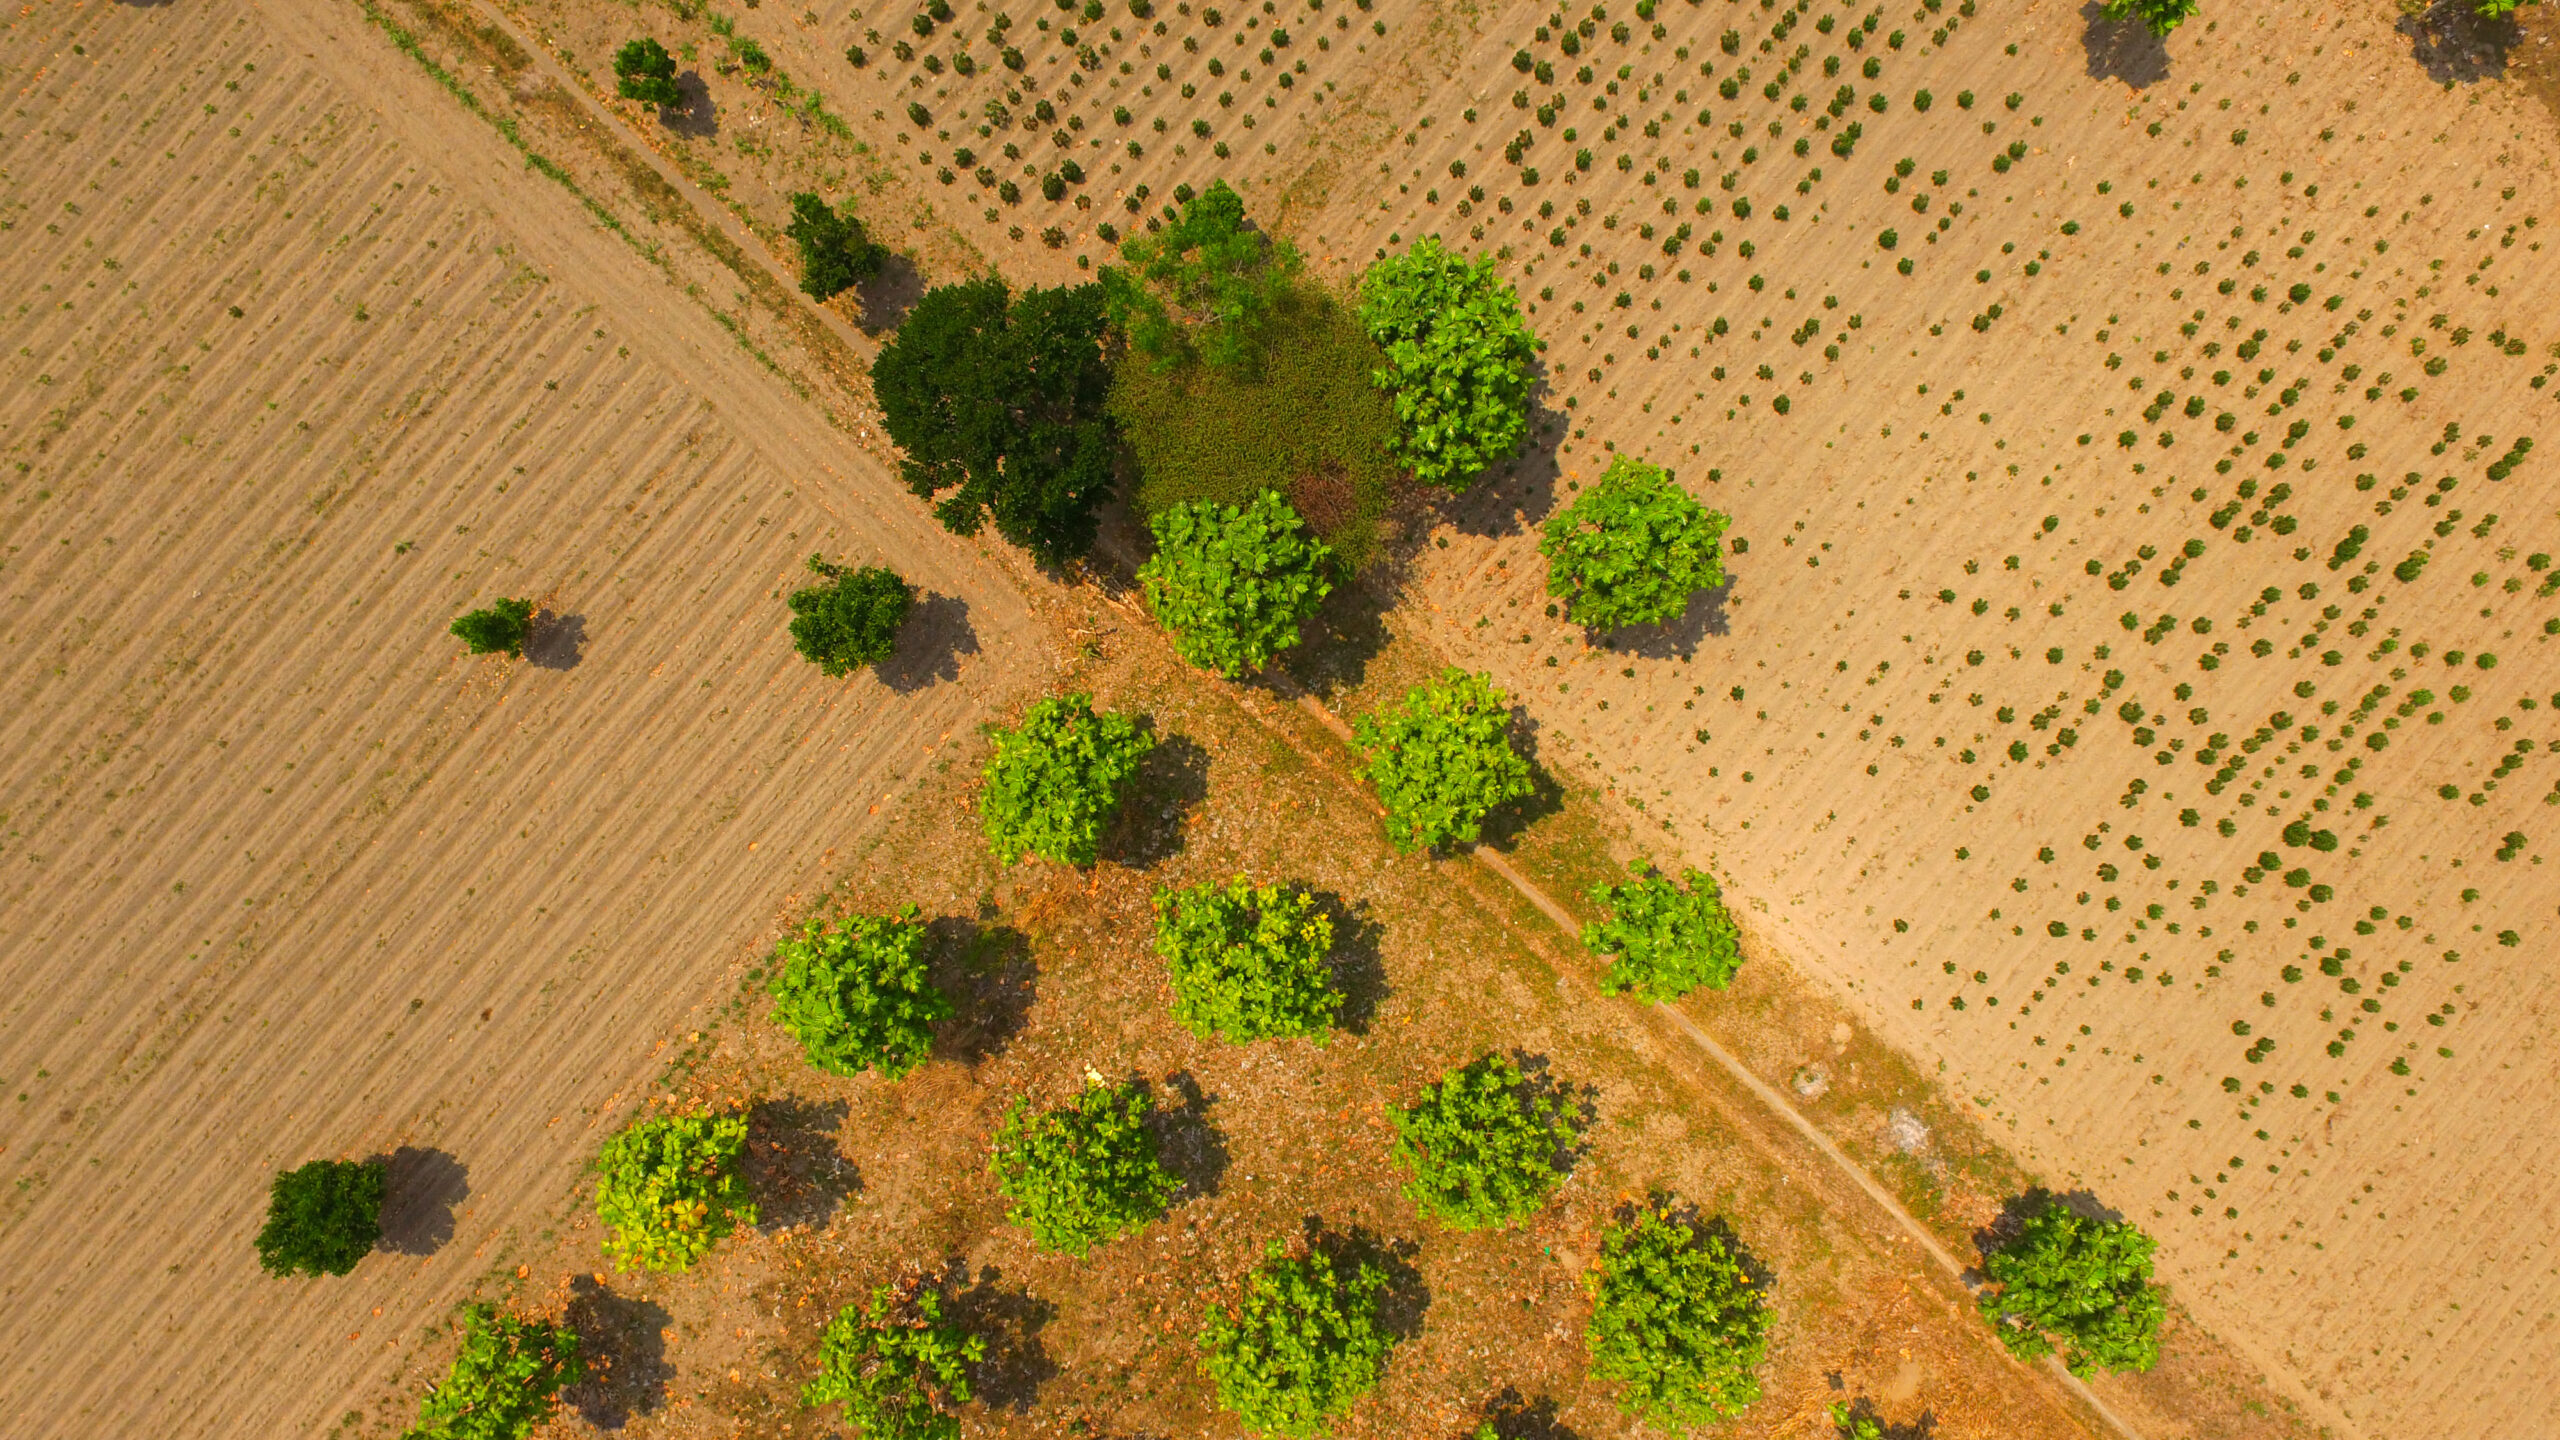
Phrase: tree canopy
[1233,584]
[1001,400]
[323,1217]
[1632,549]
[1055,779]
[1248,961]
[853,619]
[898,1365]
[503,1380]
[1482,1144]
[854,994]
[501,629]
[1458,360]
[1206,285]
[1442,760]
[1677,1320]
[1300,1345]
[1667,939]
[1085,1173]
[2160,16]
[836,254]
[2088,1281]
[644,71]
[669,1189]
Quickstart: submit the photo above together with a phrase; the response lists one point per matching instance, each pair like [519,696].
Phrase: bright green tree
[669,1189]
[1676,1320]
[835,252]
[1004,402]
[1667,939]
[1248,961]
[1055,779]
[1233,584]
[1458,360]
[644,71]
[1302,1343]
[1208,284]
[322,1217]
[1085,1173]
[2493,9]
[1482,1145]
[899,1367]
[2088,1281]
[1632,549]
[853,992]
[503,1380]
[1442,760]
[2159,16]
[500,629]
[852,620]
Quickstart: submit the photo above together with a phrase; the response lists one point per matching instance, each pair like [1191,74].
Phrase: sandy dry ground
[286,875]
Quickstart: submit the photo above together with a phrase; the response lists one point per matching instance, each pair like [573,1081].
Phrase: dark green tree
[1443,760]
[2159,16]
[1233,584]
[1458,360]
[1300,1345]
[1207,285]
[1483,1145]
[323,1217]
[1248,961]
[2088,1281]
[854,994]
[669,1189]
[899,1367]
[1055,779]
[1676,1320]
[835,253]
[503,1380]
[644,71]
[1003,402]
[1632,549]
[1085,1173]
[1666,939]
[501,629]
[853,619]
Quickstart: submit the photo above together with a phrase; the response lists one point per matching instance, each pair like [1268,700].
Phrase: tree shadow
[882,302]
[1357,961]
[1580,1104]
[793,1166]
[421,1187]
[624,1342]
[1337,643]
[1516,1417]
[1405,1300]
[1521,492]
[1186,1143]
[1509,821]
[1171,781]
[988,972]
[1009,1321]
[2457,46]
[1677,638]
[930,644]
[1924,1426]
[2123,50]
[694,116]
[555,642]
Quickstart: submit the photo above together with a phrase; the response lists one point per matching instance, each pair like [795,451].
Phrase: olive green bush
[644,71]
[1666,939]
[1234,583]
[1300,1345]
[2087,1281]
[504,1378]
[323,1217]
[1677,1320]
[1443,760]
[1482,1145]
[1055,779]
[1085,1173]
[853,619]
[668,1188]
[1248,961]
[853,992]
[501,629]
[836,254]
[1632,549]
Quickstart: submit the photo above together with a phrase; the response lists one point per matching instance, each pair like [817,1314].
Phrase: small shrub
[1300,1345]
[503,1380]
[1085,1173]
[1233,583]
[854,994]
[500,629]
[1677,1320]
[852,620]
[2088,1281]
[1443,760]
[669,1189]
[1668,939]
[898,1367]
[644,71]
[1632,549]
[835,252]
[1248,962]
[323,1217]
[1483,1146]
[1055,779]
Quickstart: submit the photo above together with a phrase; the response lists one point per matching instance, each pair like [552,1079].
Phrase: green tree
[1248,961]
[1483,1145]
[1300,1345]
[2160,16]
[1458,360]
[854,994]
[1443,759]
[835,253]
[2491,10]
[2088,1281]
[899,1367]
[323,1217]
[1004,402]
[669,1189]
[499,630]
[1676,1319]
[1085,1173]
[1055,779]
[853,619]
[503,1378]
[644,71]
[1206,285]
[1668,939]
[1632,549]
[1232,584]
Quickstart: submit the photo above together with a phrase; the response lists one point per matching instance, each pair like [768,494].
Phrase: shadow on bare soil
[1358,959]
[1513,1416]
[1171,781]
[1009,1320]
[421,1187]
[623,1340]
[2123,50]
[556,642]
[2456,45]
[1186,1143]
[930,644]
[694,115]
[793,1167]
[1675,639]
[988,973]
[884,300]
